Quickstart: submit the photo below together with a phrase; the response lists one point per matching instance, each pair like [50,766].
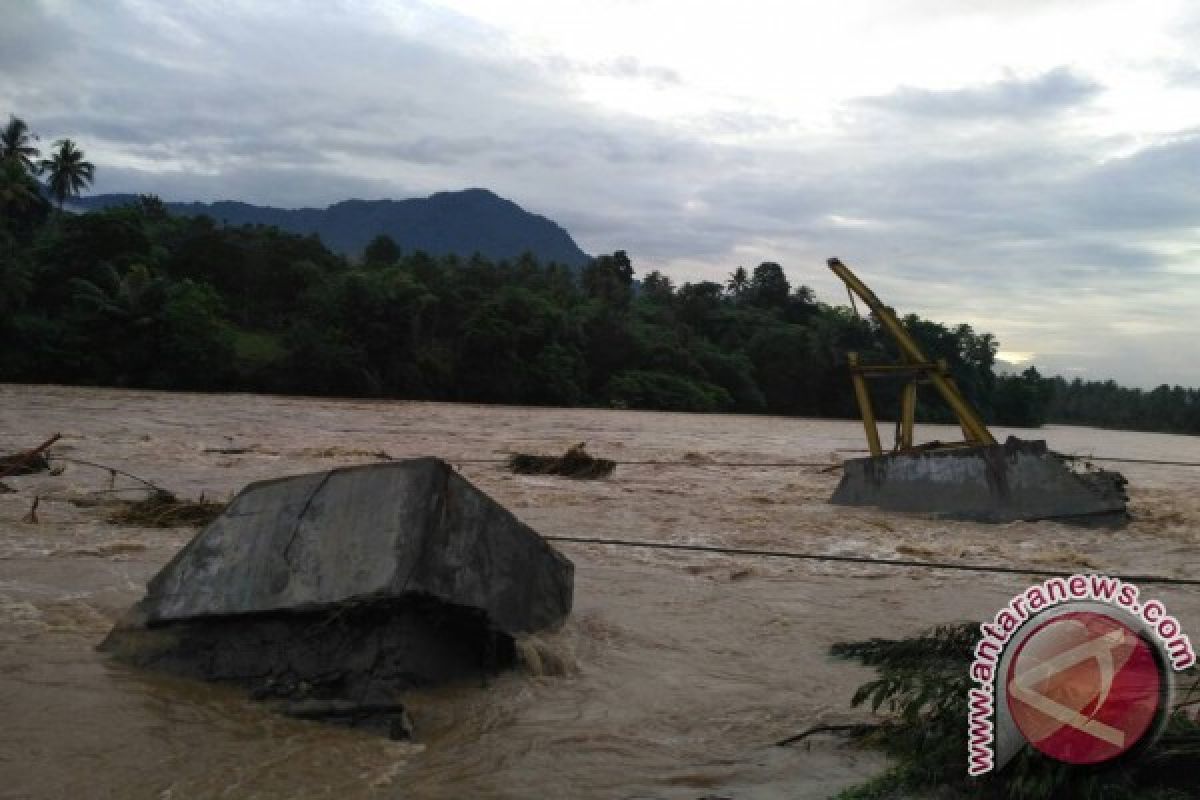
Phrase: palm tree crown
[18,189]
[135,298]
[16,143]
[68,172]
[738,282]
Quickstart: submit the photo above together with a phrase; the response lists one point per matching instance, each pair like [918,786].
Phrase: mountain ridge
[461,222]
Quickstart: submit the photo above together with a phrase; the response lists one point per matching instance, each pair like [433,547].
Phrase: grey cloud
[1152,189]
[631,67]
[233,102]
[309,93]
[26,35]
[952,238]
[440,150]
[742,123]
[1049,93]
[625,67]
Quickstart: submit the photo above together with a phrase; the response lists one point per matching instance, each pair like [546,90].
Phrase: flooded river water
[673,676]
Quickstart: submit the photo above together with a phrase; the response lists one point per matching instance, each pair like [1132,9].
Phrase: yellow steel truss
[915,365]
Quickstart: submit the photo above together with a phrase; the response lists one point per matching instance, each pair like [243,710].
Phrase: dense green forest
[133,296]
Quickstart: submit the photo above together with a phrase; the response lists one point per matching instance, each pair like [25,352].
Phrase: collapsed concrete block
[331,592]
[995,483]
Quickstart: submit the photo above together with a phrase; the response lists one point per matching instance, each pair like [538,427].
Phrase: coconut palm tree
[68,172]
[18,189]
[16,144]
[738,282]
[134,300]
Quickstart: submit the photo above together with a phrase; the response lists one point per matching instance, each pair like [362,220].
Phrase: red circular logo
[1084,688]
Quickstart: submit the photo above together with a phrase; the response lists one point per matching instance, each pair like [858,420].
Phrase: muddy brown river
[673,677]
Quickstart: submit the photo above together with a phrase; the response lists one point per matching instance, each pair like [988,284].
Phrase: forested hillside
[446,223]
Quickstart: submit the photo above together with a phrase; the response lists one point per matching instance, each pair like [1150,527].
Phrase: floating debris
[161,509]
[575,463]
[32,517]
[23,464]
[29,461]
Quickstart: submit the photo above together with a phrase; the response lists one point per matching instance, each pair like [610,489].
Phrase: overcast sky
[1031,167]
